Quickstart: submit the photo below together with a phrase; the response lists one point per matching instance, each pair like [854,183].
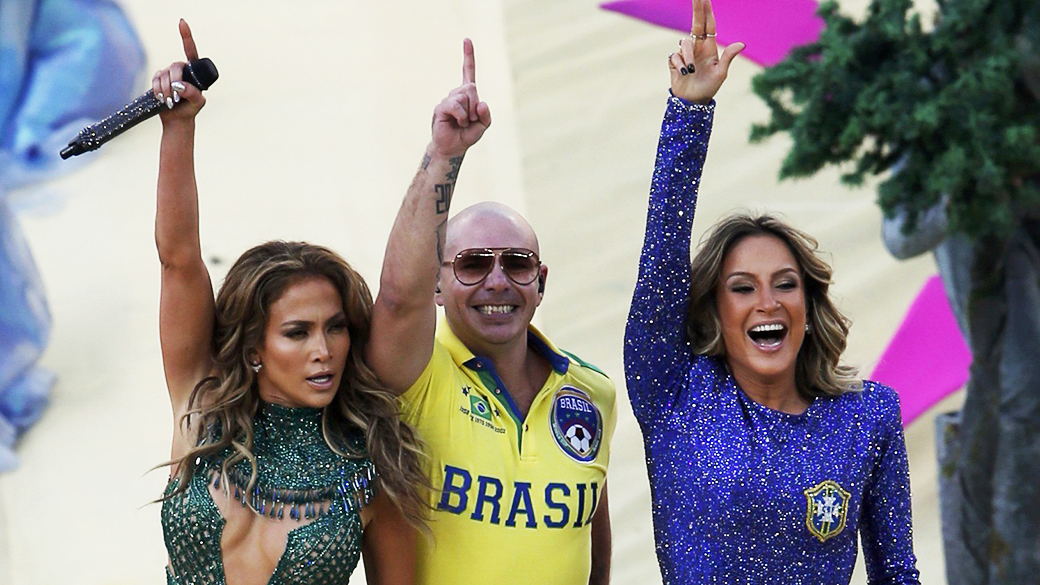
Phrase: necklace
[297,473]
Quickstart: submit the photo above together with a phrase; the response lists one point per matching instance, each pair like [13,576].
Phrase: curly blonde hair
[819,371]
[221,407]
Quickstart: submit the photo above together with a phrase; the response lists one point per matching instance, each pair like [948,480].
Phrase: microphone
[200,73]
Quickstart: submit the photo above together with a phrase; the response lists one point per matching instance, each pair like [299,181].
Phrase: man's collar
[464,357]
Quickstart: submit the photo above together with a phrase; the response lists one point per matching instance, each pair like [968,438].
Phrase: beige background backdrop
[313,132]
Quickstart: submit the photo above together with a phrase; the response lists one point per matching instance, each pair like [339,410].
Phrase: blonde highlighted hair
[221,407]
[819,371]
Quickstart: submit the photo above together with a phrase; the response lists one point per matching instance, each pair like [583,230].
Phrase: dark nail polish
[683,71]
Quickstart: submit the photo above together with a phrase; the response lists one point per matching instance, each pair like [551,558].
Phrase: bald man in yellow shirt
[517,430]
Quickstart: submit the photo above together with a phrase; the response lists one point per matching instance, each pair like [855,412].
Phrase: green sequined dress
[300,479]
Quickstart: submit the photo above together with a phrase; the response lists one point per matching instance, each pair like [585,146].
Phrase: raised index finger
[469,65]
[190,52]
[697,25]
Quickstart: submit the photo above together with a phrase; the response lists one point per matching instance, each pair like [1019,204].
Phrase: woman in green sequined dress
[289,460]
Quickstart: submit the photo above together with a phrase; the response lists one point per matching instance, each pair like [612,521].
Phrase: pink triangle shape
[769,28]
[927,358]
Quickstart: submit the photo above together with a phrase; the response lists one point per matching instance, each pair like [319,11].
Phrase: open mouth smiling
[496,309]
[768,335]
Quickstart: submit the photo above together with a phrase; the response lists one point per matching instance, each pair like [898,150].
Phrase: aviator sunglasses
[473,265]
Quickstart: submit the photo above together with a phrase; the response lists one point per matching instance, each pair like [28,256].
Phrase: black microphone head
[201,73]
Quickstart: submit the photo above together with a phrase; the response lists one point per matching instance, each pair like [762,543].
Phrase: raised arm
[404,317]
[656,353]
[186,298]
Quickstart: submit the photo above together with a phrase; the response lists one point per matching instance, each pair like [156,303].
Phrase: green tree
[950,104]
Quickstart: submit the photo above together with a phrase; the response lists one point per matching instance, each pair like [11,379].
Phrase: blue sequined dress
[743,493]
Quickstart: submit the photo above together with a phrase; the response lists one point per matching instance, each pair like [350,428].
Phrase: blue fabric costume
[743,493]
[64,64]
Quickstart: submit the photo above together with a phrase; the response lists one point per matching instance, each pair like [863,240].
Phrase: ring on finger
[709,35]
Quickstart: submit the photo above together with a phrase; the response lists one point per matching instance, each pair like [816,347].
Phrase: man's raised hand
[461,118]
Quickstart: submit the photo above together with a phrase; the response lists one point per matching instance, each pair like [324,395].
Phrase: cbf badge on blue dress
[577,424]
[827,505]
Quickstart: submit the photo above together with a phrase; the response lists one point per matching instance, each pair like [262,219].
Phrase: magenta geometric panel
[769,28]
[927,358]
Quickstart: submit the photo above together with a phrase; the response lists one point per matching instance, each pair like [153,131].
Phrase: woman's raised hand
[697,69]
[169,89]
[461,118]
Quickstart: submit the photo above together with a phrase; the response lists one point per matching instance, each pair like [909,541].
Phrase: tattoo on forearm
[453,172]
[440,232]
[443,197]
[425,161]
[444,190]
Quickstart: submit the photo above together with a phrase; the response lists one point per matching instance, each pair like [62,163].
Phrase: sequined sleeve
[887,533]
[657,355]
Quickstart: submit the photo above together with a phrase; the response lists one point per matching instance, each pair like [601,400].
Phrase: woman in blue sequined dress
[289,460]
[767,459]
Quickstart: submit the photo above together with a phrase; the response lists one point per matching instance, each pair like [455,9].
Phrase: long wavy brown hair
[221,407]
[819,371]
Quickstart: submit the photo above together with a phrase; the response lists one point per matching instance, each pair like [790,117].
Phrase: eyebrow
[774,275]
[297,323]
[307,323]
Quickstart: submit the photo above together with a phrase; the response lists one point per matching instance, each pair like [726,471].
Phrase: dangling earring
[256,367]
[808,328]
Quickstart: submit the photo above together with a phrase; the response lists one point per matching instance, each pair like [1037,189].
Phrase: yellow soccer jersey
[513,498]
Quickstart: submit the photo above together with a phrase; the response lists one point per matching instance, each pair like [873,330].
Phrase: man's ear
[437,293]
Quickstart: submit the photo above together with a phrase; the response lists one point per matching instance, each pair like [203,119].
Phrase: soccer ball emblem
[577,424]
[579,438]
